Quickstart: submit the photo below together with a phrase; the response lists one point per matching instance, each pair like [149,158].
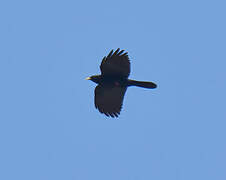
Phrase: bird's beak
[88,78]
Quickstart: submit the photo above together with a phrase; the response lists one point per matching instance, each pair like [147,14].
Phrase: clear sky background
[49,127]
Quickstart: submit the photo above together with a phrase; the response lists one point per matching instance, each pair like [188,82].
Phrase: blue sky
[49,128]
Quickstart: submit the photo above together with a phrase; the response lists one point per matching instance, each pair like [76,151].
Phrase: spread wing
[116,64]
[109,99]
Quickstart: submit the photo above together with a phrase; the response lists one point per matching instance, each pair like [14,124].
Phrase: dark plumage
[113,82]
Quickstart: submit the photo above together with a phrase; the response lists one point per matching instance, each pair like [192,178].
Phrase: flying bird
[113,82]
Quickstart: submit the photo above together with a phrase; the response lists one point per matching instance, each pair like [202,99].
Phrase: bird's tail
[143,84]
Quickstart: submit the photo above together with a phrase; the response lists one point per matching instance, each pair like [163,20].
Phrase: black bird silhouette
[113,82]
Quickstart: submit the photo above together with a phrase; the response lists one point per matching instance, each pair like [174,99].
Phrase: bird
[113,82]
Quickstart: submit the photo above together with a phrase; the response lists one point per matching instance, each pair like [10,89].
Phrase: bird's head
[95,78]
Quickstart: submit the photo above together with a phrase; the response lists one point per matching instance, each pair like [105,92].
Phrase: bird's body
[113,82]
[104,80]
[121,81]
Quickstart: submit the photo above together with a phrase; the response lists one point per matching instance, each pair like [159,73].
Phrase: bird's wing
[116,63]
[109,99]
